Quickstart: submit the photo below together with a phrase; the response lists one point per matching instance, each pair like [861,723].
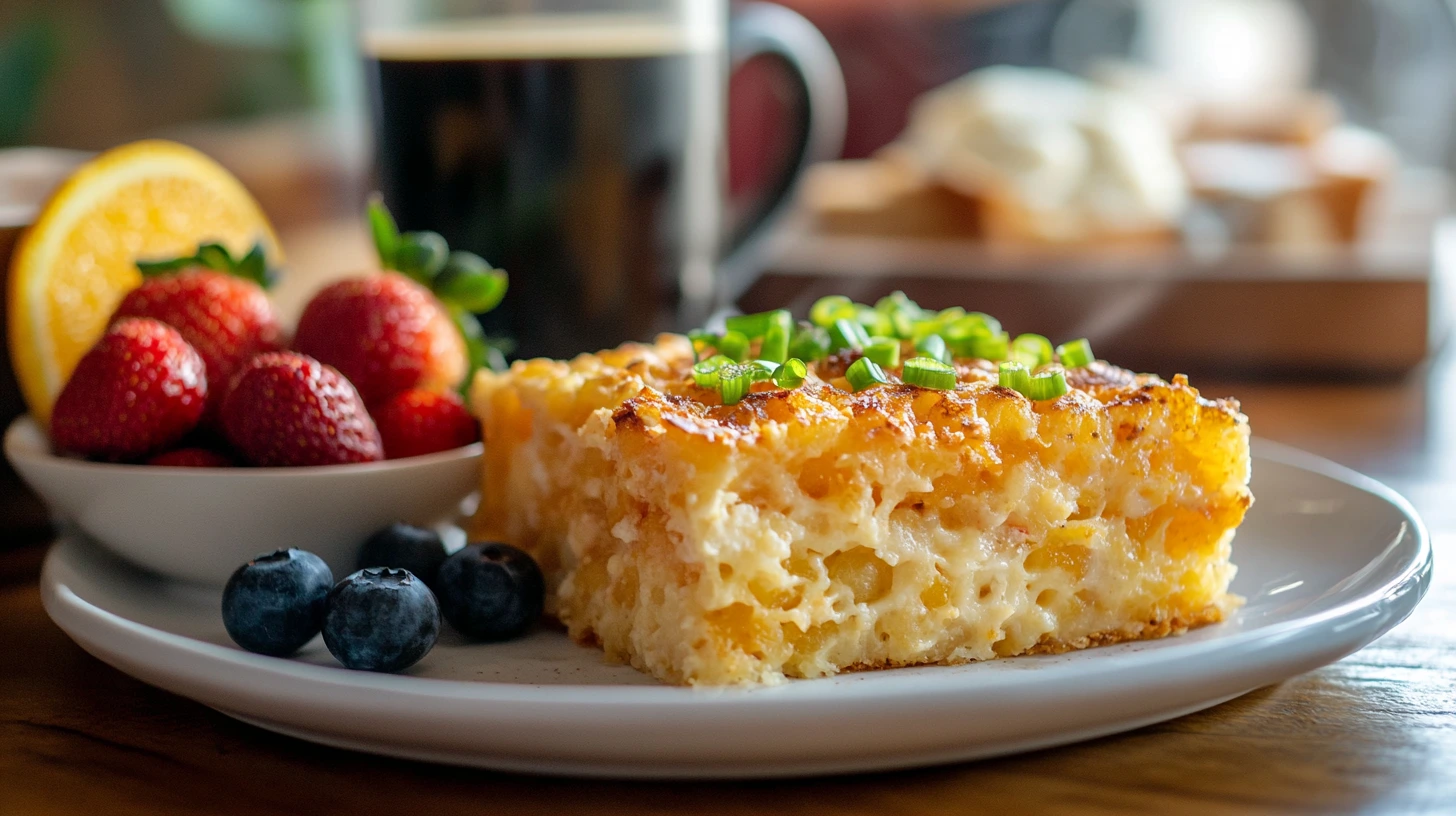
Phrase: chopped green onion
[933,346]
[706,372]
[701,340]
[1032,349]
[791,374]
[898,301]
[986,347]
[775,345]
[863,373]
[936,323]
[754,326]
[810,343]
[885,351]
[975,324]
[735,381]
[826,310]
[845,333]
[902,313]
[875,323]
[929,373]
[904,324]
[733,344]
[1016,377]
[1075,354]
[1047,385]
[1044,386]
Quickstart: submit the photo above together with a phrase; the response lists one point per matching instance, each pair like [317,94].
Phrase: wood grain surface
[1374,733]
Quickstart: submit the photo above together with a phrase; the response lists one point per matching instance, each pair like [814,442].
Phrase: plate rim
[60,601]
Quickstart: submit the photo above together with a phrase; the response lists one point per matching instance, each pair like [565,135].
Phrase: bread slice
[807,532]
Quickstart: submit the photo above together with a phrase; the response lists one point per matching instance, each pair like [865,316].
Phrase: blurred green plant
[28,55]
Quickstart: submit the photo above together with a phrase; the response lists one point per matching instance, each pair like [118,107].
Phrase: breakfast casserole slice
[857,523]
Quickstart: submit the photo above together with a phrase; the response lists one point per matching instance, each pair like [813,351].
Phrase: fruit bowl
[199,524]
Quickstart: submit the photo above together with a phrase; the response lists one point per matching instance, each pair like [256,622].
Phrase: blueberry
[491,591]
[381,620]
[274,604]
[405,547]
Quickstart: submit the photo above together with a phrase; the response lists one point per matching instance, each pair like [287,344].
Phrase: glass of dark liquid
[579,145]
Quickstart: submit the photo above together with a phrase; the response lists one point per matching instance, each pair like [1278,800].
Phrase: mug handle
[765,28]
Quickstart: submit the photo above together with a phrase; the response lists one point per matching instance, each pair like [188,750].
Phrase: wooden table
[1375,732]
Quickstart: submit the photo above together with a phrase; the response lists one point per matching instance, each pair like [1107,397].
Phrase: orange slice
[145,200]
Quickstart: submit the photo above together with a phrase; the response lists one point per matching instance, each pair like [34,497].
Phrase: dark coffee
[563,160]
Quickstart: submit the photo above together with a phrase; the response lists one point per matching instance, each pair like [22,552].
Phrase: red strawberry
[138,390]
[191,458]
[228,319]
[386,333]
[417,422]
[286,409]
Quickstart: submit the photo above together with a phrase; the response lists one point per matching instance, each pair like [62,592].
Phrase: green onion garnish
[775,346]
[735,381]
[791,374]
[863,373]
[987,347]
[847,334]
[786,350]
[810,343]
[898,301]
[701,340]
[1075,354]
[1047,385]
[826,310]
[933,346]
[885,351]
[875,323]
[1033,350]
[1044,386]
[929,373]
[733,344]
[1016,377]
[706,372]
[904,324]
[754,326]
[975,324]
[902,313]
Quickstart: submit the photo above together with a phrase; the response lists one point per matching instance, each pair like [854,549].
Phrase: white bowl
[199,524]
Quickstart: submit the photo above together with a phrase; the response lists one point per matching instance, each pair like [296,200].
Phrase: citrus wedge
[146,200]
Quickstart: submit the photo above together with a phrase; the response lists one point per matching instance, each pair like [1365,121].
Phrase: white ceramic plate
[1328,559]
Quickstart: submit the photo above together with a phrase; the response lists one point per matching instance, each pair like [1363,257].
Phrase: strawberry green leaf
[252,266]
[152,269]
[214,256]
[383,229]
[421,255]
[471,284]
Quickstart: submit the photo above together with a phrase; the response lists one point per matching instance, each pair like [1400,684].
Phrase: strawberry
[192,458]
[227,318]
[287,409]
[417,422]
[386,333]
[138,390]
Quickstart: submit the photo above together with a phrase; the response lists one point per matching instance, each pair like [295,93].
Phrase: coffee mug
[583,150]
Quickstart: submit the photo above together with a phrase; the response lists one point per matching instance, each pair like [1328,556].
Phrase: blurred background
[1250,188]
